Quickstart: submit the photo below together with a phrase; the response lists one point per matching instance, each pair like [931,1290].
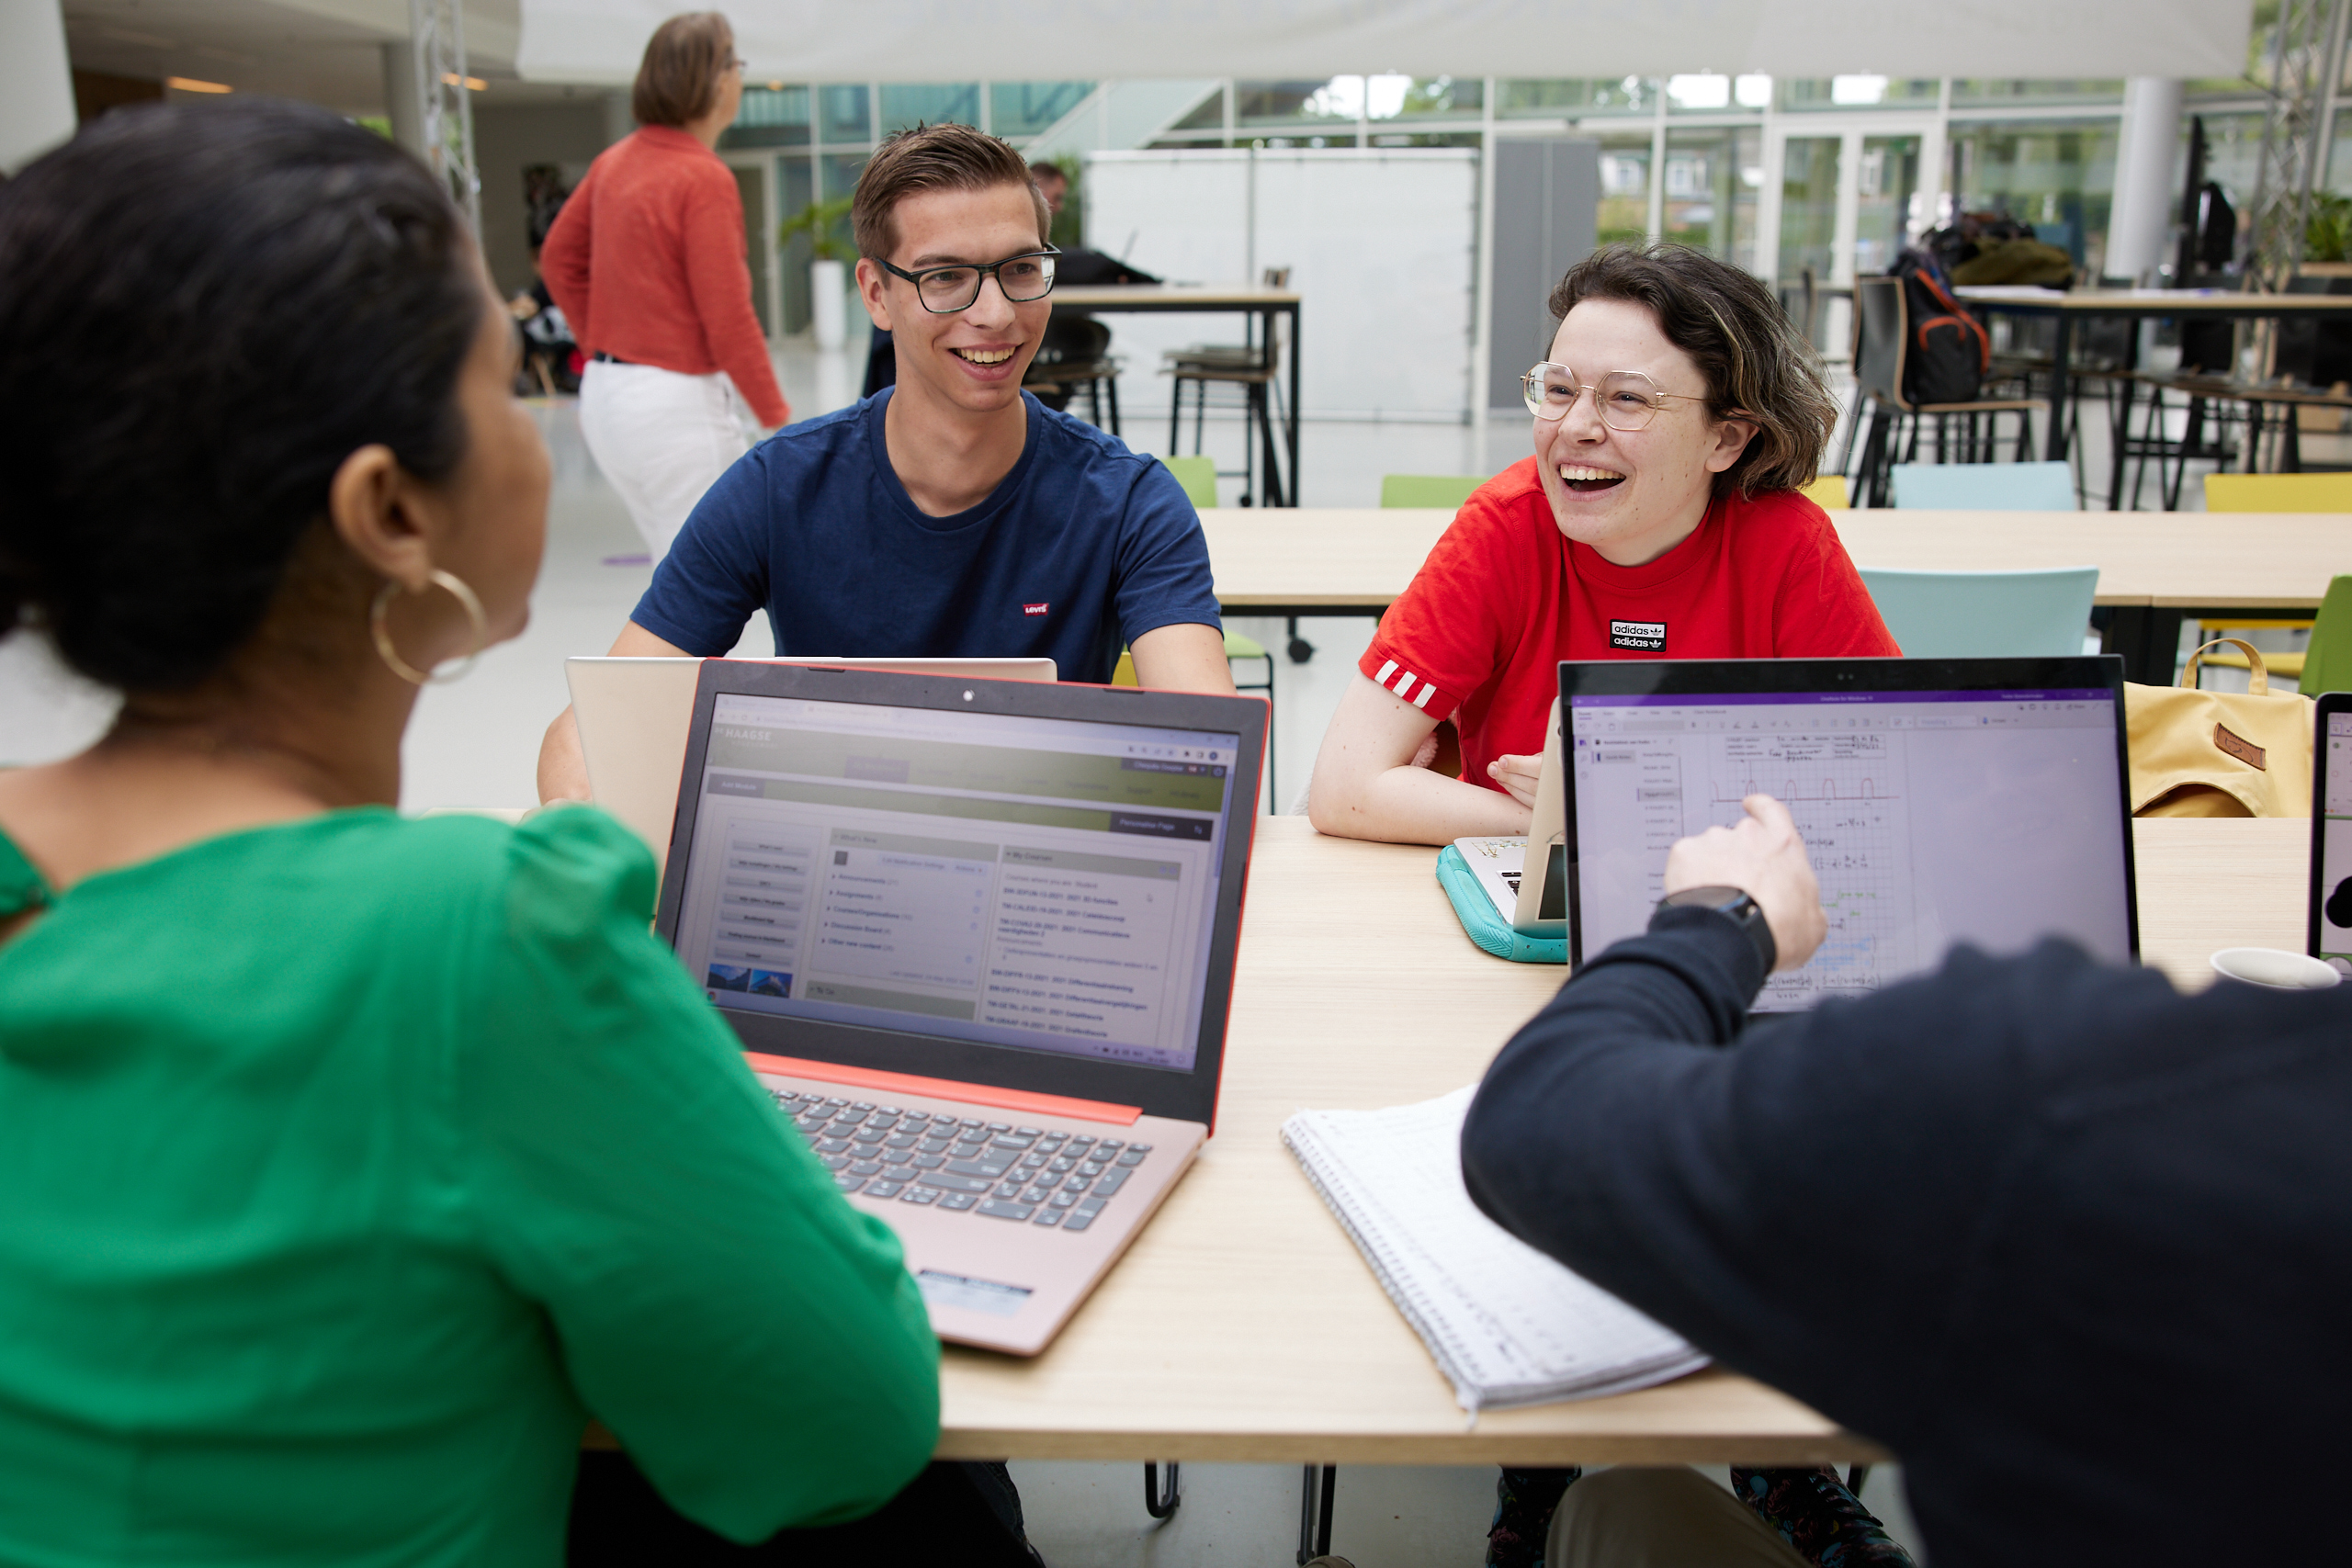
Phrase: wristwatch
[1737,906]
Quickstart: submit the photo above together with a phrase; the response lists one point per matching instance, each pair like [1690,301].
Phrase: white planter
[828,302]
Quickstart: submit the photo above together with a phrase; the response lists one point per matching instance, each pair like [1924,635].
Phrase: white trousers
[661,439]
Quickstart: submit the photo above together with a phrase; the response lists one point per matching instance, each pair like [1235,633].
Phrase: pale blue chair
[1986,615]
[1984,487]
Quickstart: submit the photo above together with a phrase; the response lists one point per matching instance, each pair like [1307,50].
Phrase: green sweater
[347,1166]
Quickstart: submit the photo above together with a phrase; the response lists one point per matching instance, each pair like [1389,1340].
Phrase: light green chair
[1985,614]
[1448,491]
[1198,476]
[2327,661]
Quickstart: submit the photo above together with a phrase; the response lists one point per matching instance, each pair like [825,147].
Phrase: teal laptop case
[1482,922]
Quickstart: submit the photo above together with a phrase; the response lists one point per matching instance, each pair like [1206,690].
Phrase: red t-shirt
[646,260]
[1505,596]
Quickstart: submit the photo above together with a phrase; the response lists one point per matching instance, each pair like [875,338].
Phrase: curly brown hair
[1758,366]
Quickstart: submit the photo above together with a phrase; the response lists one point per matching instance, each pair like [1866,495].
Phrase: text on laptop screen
[1932,817]
[1037,883]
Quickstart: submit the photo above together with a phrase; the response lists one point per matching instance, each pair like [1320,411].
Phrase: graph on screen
[1844,787]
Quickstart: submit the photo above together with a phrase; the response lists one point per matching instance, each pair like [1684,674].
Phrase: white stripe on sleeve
[1404,686]
[1423,700]
[1385,671]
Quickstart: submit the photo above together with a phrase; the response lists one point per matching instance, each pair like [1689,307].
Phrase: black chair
[1256,368]
[1882,336]
[1076,352]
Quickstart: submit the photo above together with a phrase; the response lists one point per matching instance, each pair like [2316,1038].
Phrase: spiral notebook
[1506,1325]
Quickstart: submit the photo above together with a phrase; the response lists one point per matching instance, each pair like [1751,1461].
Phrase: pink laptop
[977,938]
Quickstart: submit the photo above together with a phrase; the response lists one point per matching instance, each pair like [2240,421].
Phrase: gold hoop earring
[465,597]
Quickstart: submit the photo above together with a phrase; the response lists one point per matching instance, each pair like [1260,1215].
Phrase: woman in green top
[349,1165]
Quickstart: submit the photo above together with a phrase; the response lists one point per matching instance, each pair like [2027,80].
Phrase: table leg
[2060,376]
[2120,436]
[1293,413]
[2148,640]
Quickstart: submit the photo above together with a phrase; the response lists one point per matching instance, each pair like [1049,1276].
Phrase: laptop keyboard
[1038,1176]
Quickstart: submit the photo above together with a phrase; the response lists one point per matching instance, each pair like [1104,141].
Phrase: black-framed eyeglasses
[945,290]
[1627,400]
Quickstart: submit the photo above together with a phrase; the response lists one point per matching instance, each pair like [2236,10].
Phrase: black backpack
[1949,352]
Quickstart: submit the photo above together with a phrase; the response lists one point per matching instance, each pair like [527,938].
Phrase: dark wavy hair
[1758,366]
[204,310]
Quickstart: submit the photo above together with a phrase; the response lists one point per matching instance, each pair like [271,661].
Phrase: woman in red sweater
[647,261]
[1675,417]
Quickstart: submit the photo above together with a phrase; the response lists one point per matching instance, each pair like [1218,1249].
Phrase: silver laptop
[1534,905]
[979,938]
[1943,801]
[633,714]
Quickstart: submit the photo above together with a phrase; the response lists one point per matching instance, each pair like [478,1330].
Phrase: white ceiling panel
[919,40]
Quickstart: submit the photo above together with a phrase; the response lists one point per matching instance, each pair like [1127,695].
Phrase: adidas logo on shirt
[1642,636]
[1404,683]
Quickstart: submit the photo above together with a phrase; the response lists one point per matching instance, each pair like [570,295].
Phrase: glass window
[1024,109]
[842,169]
[1624,213]
[1427,137]
[1711,180]
[2058,176]
[847,114]
[1891,206]
[1206,114]
[1710,93]
[773,116]
[930,103]
[1424,97]
[1798,93]
[1808,207]
[795,188]
[1289,103]
[1575,96]
[1964,91]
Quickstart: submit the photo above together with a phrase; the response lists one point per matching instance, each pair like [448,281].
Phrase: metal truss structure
[2306,64]
[447,110]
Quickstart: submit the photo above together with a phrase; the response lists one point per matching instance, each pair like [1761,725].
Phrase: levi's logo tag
[1644,637]
[1035,609]
[2244,750]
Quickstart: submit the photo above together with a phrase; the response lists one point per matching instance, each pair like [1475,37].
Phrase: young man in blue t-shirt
[952,514]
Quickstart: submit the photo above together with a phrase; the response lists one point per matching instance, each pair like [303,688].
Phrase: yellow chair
[2270,492]
[1828,492]
[2278,492]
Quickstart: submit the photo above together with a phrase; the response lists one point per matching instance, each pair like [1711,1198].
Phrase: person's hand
[1518,776]
[1763,856]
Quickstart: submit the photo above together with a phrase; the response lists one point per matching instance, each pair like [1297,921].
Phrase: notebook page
[1506,1325]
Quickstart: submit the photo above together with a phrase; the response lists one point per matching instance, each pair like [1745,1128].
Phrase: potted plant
[828,276]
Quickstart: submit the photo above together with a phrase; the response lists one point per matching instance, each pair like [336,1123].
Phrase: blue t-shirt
[1083,546]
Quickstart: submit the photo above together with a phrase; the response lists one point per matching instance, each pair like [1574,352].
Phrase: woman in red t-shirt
[1676,418]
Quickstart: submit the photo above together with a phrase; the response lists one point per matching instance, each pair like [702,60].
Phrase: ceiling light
[190,85]
[473,84]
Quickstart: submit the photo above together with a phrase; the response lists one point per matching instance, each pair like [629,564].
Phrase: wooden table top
[1171,297]
[1244,1326]
[2150,301]
[1362,558]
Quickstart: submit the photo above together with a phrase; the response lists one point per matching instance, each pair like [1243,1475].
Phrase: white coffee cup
[2278,970]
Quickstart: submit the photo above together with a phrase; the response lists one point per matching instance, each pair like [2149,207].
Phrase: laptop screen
[1033,884]
[2331,924]
[1934,817]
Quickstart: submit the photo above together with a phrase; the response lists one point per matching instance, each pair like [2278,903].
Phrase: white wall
[36,84]
[1381,243]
